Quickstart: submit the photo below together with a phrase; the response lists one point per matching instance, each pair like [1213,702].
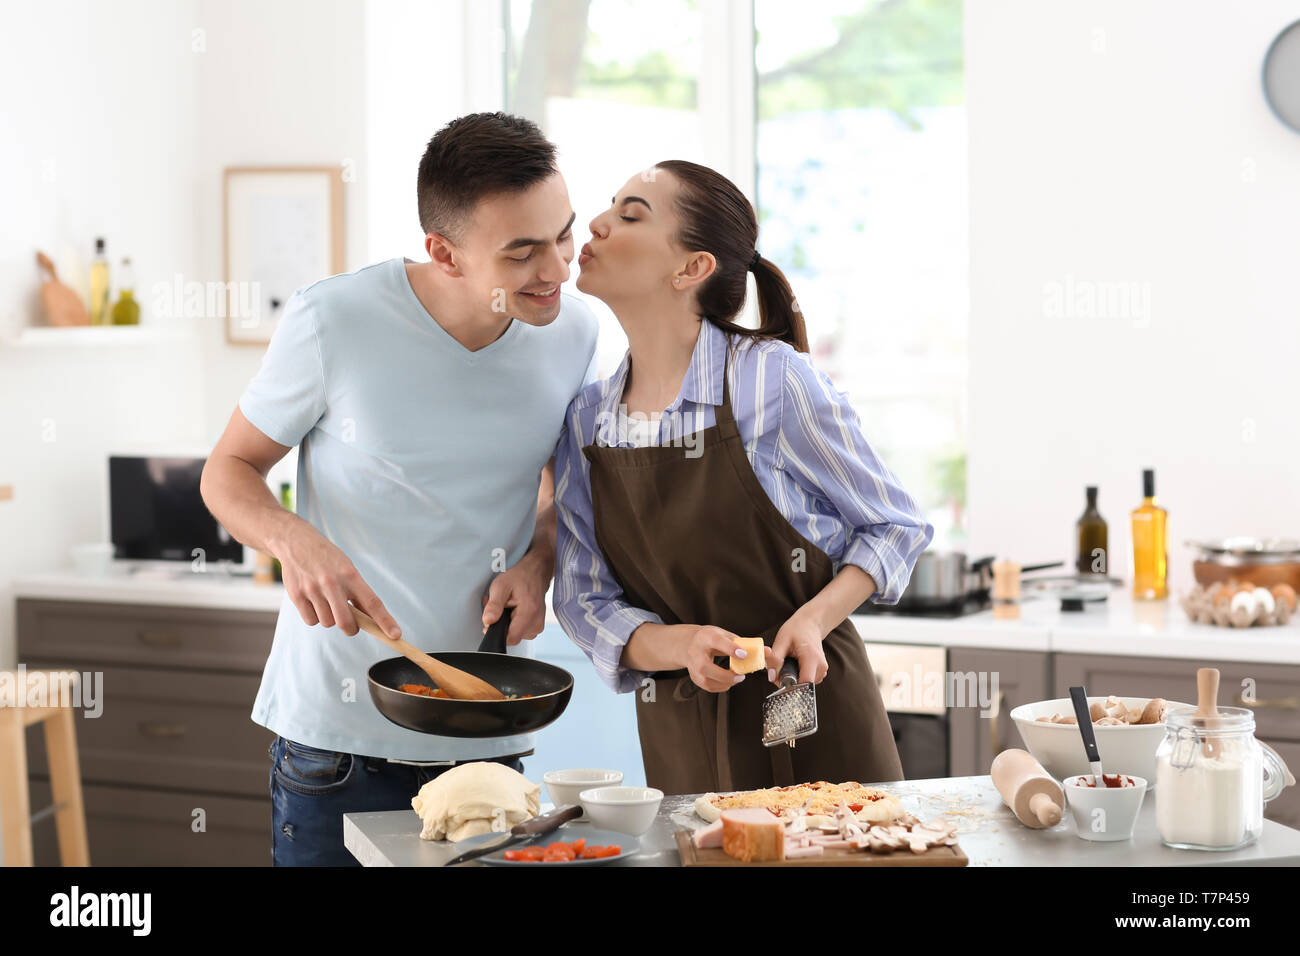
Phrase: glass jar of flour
[1213,778]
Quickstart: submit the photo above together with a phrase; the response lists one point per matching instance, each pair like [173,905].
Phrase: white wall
[121,127]
[1120,142]
[280,83]
[98,130]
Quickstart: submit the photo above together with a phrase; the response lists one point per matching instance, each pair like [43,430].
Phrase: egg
[1243,601]
[1285,594]
[1263,602]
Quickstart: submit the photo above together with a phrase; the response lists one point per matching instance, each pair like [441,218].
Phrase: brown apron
[696,540]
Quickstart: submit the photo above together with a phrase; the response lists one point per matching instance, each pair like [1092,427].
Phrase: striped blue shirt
[805,444]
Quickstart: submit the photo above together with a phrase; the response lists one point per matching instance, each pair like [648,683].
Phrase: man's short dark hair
[477,156]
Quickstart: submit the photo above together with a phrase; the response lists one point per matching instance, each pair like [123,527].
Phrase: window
[845,121]
[861,149]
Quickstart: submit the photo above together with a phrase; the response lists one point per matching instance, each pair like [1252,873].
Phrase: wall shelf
[95,335]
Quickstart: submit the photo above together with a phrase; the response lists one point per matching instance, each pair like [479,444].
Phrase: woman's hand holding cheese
[703,644]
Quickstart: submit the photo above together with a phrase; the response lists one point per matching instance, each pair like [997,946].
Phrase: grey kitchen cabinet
[174,771]
[1272,691]
[1022,677]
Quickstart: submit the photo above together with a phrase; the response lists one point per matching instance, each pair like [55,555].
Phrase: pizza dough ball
[469,799]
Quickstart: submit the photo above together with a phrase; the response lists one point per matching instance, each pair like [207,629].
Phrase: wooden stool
[68,808]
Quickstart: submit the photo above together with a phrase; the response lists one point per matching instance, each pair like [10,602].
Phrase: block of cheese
[754,659]
[753,835]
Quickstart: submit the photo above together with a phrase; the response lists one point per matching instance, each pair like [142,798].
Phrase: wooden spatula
[62,305]
[452,681]
[1207,707]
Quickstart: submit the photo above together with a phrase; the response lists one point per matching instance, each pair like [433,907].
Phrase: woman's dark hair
[476,156]
[717,218]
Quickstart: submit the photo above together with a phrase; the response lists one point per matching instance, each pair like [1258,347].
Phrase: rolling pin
[1033,796]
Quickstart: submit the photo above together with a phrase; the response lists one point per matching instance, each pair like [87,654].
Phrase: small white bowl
[1104,813]
[628,810]
[563,786]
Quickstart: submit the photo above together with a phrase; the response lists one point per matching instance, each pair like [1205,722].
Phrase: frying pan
[549,687]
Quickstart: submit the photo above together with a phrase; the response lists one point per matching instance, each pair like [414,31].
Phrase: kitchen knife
[1081,713]
[522,832]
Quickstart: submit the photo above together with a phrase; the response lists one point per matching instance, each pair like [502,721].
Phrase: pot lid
[1245,546]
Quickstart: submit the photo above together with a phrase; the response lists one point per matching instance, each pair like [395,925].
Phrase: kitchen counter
[988,833]
[1118,626]
[167,588]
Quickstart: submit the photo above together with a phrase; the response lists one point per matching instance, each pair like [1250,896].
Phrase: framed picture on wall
[283,231]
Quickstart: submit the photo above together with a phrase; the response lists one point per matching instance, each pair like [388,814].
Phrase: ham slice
[708,837]
[796,852]
[752,835]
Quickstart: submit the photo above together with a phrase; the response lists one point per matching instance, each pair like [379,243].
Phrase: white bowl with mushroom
[1129,747]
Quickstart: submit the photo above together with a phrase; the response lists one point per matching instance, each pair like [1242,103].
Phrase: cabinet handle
[159,638]
[997,709]
[158,728]
[1278,703]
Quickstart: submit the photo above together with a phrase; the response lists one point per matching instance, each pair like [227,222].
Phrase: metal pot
[941,578]
[1263,562]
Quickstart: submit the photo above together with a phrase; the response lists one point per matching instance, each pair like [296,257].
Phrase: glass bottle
[99,286]
[127,309]
[1150,544]
[1091,529]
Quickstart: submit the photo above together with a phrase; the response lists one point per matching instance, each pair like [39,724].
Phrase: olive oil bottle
[1150,544]
[127,309]
[286,502]
[1093,557]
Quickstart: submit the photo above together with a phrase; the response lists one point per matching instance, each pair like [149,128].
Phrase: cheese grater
[790,712]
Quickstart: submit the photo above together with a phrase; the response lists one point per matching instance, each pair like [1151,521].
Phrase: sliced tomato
[579,845]
[520,855]
[613,850]
[592,852]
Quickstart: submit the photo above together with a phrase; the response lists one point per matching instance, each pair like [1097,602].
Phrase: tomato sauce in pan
[424,690]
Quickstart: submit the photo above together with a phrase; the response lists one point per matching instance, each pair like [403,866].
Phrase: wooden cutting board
[836,856]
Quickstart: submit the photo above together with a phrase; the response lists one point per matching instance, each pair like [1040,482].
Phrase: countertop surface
[168,588]
[987,832]
[1118,625]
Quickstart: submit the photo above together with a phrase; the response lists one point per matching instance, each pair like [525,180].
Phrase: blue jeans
[311,789]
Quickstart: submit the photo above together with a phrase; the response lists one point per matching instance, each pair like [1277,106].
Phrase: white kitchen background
[1096,145]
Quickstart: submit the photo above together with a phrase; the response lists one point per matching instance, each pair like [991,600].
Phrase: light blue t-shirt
[420,460]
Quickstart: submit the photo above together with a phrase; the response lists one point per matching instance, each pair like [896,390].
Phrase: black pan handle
[494,641]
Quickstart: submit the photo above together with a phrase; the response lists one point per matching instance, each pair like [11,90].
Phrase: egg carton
[1229,604]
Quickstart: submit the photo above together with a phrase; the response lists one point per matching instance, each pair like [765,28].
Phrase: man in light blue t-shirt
[426,400]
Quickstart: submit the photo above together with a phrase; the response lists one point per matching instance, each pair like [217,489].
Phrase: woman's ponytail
[778,310]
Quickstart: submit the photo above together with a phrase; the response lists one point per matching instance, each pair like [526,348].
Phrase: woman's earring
[675,281]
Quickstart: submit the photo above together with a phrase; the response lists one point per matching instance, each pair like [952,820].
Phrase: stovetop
[971,604]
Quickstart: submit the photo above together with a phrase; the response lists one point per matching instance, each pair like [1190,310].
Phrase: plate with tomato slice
[567,846]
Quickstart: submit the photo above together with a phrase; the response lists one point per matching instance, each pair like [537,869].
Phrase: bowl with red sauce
[1106,809]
